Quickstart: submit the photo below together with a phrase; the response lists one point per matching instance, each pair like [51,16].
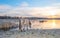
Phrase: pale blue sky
[34,7]
[32,3]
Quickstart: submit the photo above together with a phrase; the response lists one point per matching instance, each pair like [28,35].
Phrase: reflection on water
[55,24]
[47,29]
[37,24]
[47,24]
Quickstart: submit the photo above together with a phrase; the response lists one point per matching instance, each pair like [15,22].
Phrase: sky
[29,7]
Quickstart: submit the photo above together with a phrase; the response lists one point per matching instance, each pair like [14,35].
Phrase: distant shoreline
[31,18]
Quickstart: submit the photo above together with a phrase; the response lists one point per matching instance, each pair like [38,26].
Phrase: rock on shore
[7,26]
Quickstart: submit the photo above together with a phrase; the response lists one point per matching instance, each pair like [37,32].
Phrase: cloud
[4,6]
[4,9]
[24,4]
[25,10]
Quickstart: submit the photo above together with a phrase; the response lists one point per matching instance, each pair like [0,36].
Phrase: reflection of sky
[9,20]
[50,24]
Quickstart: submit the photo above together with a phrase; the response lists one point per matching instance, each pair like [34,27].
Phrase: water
[51,32]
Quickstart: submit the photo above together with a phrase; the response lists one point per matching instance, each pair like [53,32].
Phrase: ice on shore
[55,33]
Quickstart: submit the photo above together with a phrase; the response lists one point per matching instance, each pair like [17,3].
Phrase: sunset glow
[53,23]
[52,12]
[33,8]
